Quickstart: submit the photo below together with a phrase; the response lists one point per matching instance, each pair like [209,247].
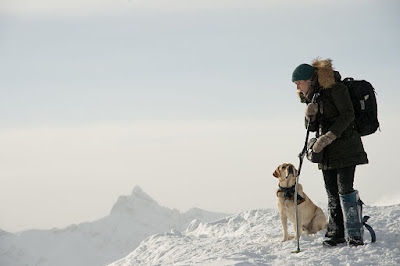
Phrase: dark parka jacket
[336,114]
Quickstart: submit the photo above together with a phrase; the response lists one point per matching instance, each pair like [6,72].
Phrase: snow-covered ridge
[132,219]
[254,238]
[139,231]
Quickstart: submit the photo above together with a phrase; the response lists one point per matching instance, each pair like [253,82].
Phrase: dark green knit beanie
[303,72]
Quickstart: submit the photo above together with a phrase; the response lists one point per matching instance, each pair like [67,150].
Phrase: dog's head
[286,173]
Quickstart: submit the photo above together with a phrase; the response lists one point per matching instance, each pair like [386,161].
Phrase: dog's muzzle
[290,171]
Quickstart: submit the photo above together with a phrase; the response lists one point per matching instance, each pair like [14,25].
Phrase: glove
[311,111]
[323,141]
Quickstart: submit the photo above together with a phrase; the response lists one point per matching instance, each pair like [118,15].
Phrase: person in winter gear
[332,119]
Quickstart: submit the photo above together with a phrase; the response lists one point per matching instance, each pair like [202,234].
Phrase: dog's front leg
[284,226]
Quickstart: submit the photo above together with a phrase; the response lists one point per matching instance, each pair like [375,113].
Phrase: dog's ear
[276,173]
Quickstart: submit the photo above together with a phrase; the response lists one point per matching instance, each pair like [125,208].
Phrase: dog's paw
[286,238]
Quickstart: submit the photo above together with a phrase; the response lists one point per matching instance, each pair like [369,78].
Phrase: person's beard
[303,98]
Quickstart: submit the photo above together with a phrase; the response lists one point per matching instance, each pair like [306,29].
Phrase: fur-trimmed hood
[326,76]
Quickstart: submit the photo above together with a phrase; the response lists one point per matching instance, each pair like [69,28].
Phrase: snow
[139,231]
[254,238]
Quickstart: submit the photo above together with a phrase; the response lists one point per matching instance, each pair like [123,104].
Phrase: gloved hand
[323,141]
[311,111]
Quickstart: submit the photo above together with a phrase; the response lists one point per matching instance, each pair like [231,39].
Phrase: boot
[332,242]
[352,213]
[335,227]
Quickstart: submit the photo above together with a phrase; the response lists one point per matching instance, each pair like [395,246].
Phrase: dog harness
[288,194]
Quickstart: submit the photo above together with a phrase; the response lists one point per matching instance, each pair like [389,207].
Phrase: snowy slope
[132,219]
[254,238]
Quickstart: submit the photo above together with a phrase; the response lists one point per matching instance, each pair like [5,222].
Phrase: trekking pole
[301,157]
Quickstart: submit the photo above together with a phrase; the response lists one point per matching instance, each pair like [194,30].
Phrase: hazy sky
[191,100]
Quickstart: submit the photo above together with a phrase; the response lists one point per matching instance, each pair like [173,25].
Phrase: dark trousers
[337,181]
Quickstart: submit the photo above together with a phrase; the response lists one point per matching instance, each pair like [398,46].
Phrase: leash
[301,158]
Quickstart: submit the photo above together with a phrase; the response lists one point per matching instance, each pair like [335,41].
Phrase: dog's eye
[283,167]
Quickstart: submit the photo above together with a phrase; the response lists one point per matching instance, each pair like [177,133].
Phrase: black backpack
[362,95]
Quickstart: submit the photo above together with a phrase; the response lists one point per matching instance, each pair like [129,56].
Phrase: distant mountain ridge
[132,219]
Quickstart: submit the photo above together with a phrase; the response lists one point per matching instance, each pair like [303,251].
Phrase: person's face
[302,86]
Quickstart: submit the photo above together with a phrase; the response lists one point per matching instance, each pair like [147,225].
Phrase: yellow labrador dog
[311,218]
